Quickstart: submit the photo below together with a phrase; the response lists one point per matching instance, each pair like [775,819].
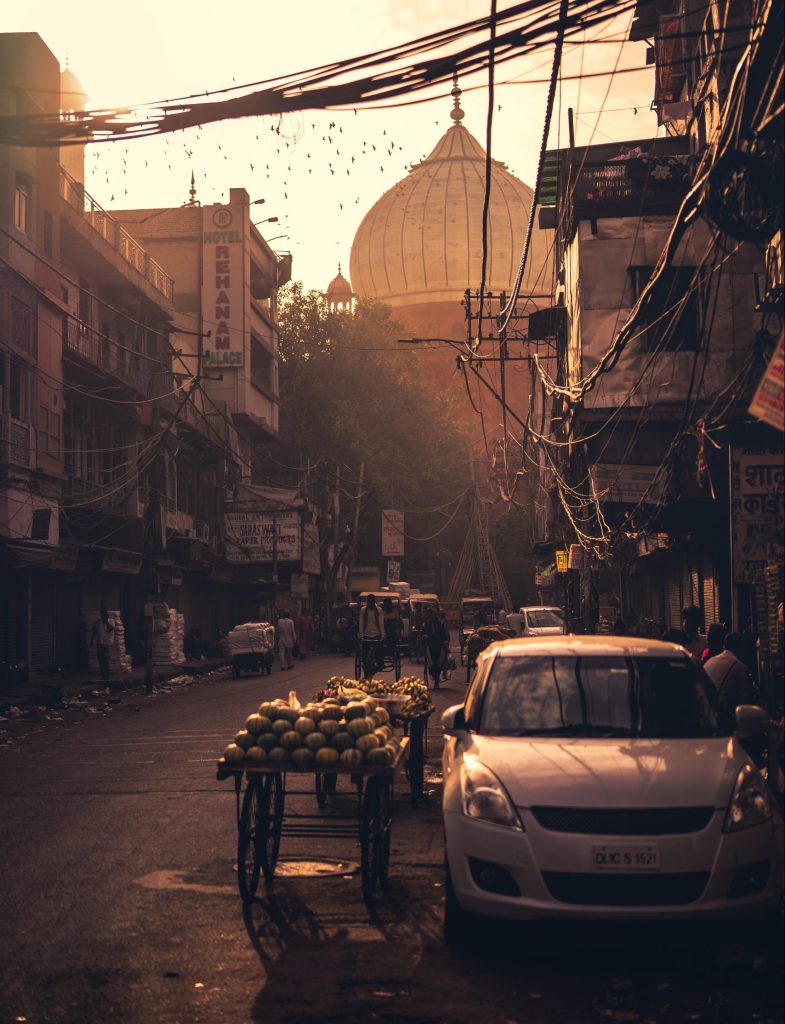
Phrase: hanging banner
[393,571]
[757,480]
[392,533]
[769,401]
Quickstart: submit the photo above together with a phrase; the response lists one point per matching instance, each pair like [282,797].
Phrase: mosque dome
[421,243]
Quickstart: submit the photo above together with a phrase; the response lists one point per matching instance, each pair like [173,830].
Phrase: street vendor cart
[263,819]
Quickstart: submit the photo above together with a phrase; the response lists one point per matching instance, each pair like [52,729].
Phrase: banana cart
[263,819]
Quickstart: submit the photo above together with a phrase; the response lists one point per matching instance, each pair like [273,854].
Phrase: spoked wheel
[397,663]
[248,841]
[268,841]
[415,765]
[375,827]
[358,664]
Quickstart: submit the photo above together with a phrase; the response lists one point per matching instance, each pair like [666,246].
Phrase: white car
[541,620]
[593,777]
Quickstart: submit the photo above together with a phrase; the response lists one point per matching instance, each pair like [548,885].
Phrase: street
[121,903]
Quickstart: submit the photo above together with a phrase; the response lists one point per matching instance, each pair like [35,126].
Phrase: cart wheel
[270,823]
[248,842]
[375,835]
[397,664]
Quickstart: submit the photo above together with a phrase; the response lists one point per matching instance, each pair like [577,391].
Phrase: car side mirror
[751,720]
[454,720]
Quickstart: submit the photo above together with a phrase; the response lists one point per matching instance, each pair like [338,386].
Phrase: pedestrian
[371,629]
[730,675]
[103,638]
[715,639]
[287,638]
[515,622]
[675,636]
[392,625]
[691,621]
[437,644]
[501,616]
[305,633]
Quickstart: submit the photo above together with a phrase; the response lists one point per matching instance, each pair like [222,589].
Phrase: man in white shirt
[515,622]
[730,675]
[287,638]
[371,633]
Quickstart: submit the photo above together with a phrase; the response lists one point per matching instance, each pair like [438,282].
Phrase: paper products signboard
[392,533]
[264,537]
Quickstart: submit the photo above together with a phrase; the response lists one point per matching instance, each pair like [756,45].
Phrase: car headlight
[485,798]
[750,803]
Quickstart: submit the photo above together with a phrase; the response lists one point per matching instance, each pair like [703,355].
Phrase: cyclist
[371,635]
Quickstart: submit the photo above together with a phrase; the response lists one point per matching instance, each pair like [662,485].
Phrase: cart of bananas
[419,702]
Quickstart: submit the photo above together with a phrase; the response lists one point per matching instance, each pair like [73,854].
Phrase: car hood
[545,630]
[619,772]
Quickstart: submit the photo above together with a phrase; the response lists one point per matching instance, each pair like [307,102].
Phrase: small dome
[339,291]
[422,241]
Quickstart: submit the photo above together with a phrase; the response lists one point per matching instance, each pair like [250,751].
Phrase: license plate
[626,857]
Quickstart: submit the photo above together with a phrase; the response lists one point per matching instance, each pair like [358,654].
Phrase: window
[19,391]
[48,431]
[22,207]
[262,366]
[683,335]
[21,325]
[48,233]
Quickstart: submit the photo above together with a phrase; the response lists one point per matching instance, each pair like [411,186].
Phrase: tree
[350,394]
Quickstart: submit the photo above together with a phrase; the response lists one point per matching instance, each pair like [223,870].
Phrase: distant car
[595,777]
[541,620]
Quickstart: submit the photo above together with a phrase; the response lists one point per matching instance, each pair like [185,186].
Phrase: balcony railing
[16,442]
[115,235]
[122,363]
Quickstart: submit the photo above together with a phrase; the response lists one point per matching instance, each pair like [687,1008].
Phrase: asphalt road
[120,903]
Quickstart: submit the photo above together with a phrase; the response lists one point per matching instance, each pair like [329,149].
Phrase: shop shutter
[69,630]
[711,609]
[42,625]
[674,591]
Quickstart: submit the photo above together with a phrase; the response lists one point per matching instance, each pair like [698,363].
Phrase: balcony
[125,365]
[16,442]
[77,197]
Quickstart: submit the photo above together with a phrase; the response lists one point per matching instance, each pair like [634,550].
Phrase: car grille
[625,822]
[626,890]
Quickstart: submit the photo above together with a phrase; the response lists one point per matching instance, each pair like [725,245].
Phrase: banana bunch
[419,696]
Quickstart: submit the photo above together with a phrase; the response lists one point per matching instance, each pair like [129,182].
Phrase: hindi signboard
[392,533]
[562,561]
[578,558]
[757,481]
[263,537]
[393,571]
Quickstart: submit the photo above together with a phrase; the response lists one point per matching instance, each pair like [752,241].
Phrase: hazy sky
[319,172]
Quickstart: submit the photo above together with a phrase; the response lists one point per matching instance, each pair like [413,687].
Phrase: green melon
[234,753]
[358,727]
[304,725]
[342,741]
[315,741]
[368,742]
[329,728]
[291,740]
[244,739]
[252,724]
[267,741]
[327,757]
[355,709]
[267,708]
[278,755]
[256,753]
[302,759]
[332,712]
[352,756]
[281,725]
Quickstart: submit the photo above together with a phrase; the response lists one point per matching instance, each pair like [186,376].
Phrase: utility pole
[353,549]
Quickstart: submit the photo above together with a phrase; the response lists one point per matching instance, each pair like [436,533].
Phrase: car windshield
[568,695]
[542,617]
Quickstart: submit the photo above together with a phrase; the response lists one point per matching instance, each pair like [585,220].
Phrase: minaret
[456,113]
[339,294]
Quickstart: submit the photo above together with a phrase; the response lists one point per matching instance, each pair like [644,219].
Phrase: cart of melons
[326,740]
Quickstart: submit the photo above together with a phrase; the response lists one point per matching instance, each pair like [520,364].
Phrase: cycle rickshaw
[473,609]
[372,657]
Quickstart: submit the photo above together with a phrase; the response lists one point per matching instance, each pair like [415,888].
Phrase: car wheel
[463,930]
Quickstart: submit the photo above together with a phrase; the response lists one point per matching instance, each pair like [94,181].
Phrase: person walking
[715,641]
[730,675]
[691,621]
[371,634]
[437,644]
[103,638]
[515,622]
[287,638]
[305,633]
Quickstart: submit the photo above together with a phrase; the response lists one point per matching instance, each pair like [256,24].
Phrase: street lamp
[268,240]
[267,220]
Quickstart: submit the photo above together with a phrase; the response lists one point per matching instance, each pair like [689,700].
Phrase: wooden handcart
[262,820]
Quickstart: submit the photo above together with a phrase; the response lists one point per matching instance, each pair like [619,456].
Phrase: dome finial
[193,201]
[456,113]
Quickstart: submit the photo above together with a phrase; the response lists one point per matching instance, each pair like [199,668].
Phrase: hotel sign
[222,286]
